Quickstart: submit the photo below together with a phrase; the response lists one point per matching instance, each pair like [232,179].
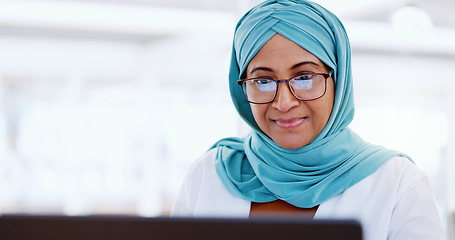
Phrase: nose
[284,100]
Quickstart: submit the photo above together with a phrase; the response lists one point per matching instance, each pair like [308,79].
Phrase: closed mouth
[289,123]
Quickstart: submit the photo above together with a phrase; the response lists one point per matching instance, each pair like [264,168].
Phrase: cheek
[322,108]
[259,112]
[328,112]
[327,105]
[321,111]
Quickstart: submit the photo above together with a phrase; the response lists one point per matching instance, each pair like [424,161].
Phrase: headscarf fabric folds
[255,168]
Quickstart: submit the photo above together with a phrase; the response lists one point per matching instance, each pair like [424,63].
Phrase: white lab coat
[396,202]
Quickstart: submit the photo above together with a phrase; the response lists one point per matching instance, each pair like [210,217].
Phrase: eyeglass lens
[304,87]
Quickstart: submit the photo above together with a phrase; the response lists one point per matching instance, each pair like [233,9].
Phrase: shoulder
[401,166]
[393,179]
[203,193]
[391,203]
[399,173]
[385,185]
[414,215]
[201,172]
[187,198]
[202,166]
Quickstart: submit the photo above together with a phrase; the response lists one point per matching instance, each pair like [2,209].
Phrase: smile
[289,123]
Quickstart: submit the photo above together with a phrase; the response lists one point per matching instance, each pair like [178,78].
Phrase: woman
[290,80]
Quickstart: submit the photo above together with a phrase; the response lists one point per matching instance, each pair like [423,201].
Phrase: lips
[289,123]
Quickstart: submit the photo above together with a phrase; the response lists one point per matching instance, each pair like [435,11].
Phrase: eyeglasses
[305,87]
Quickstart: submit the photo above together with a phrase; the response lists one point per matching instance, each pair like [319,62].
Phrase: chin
[292,144]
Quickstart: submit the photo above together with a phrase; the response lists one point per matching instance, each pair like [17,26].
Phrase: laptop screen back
[139,228]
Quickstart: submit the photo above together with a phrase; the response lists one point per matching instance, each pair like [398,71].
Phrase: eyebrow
[304,63]
[293,67]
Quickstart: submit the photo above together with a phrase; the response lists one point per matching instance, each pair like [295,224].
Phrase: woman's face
[289,122]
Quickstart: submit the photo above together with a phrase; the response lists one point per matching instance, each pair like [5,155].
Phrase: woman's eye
[303,82]
[304,77]
[262,81]
[265,85]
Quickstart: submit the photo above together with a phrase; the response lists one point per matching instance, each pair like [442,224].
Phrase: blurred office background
[104,104]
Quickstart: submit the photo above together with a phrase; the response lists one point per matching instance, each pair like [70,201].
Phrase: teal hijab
[255,168]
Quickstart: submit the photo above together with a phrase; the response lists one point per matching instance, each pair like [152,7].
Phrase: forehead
[279,53]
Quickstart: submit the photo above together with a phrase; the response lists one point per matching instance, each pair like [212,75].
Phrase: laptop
[18,227]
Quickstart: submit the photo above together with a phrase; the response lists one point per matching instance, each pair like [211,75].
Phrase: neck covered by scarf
[255,168]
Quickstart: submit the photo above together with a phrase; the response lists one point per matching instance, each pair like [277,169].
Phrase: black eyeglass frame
[325,75]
